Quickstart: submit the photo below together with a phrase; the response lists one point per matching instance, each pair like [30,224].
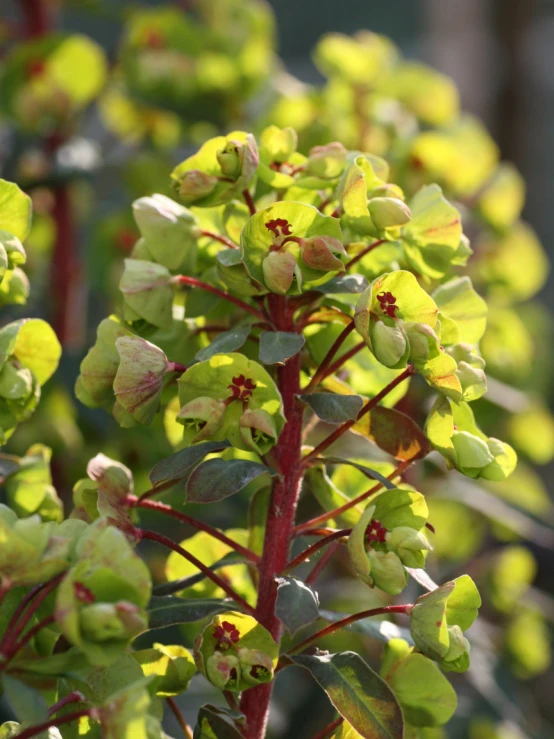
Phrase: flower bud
[195,185]
[387,571]
[223,670]
[389,190]
[203,415]
[278,144]
[389,343]
[503,463]
[279,268]
[327,161]
[409,545]
[14,249]
[388,212]
[471,451]
[473,381]
[258,431]
[229,158]
[106,621]
[318,252]
[457,644]
[422,341]
[256,666]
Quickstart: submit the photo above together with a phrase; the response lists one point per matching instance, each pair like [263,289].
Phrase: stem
[176,367]
[37,17]
[155,505]
[74,697]
[343,428]
[193,282]
[363,252]
[166,542]
[304,528]
[249,202]
[187,731]
[329,728]
[332,368]
[322,563]
[57,722]
[337,625]
[15,628]
[313,548]
[26,638]
[157,489]
[328,358]
[220,238]
[280,516]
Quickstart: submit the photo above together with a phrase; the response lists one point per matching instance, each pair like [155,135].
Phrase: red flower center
[241,388]
[226,634]
[388,305]
[376,532]
[279,227]
[83,593]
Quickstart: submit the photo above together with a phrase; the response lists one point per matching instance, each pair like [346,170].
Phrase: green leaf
[15,210]
[138,382]
[297,604]
[367,471]
[28,704]
[168,610]
[172,665]
[183,583]
[178,466]
[425,695]
[394,432]
[343,285]
[357,692]
[38,348]
[334,408]
[216,723]
[228,341]
[462,312]
[217,478]
[278,346]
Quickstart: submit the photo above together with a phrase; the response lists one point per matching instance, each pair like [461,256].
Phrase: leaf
[175,586]
[394,433]
[38,348]
[344,284]
[228,341]
[421,577]
[367,471]
[27,703]
[15,210]
[178,466]
[216,723]
[334,408]
[219,478]
[357,692]
[375,628]
[278,346]
[297,604]
[169,610]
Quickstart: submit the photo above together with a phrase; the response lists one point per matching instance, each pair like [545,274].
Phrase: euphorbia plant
[245,321]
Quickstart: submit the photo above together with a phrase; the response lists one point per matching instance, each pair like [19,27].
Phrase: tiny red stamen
[279,225]
[82,593]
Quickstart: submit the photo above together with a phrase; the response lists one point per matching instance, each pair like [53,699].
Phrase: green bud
[14,288]
[387,571]
[279,269]
[147,293]
[473,381]
[258,430]
[327,161]
[409,545]
[389,190]
[15,253]
[318,252]
[172,665]
[102,622]
[223,670]
[229,158]
[504,461]
[388,212]
[256,666]
[389,344]
[458,644]
[422,339]
[202,414]
[471,452]
[195,185]
[278,144]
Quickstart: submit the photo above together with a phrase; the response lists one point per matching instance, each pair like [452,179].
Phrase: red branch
[322,563]
[193,282]
[57,722]
[249,202]
[324,733]
[313,548]
[363,252]
[166,542]
[74,697]
[179,717]
[320,373]
[219,237]
[26,638]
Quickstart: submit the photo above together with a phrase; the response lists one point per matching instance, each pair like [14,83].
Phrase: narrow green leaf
[169,610]
[228,341]
[344,284]
[178,466]
[27,703]
[297,604]
[278,346]
[216,723]
[357,692]
[175,586]
[219,478]
[367,471]
[334,408]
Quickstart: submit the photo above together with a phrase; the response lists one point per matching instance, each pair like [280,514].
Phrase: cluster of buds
[382,543]
[230,397]
[235,652]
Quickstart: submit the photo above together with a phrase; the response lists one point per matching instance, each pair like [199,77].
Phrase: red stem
[74,697]
[156,505]
[166,542]
[26,638]
[179,717]
[176,367]
[219,237]
[363,252]
[332,368]
[313,548]
[324,733]
[343,428]
[304,528]
[280,516]
[322,563]
[37,17]
[57,722]
[337,625]
[249,202]
[15,628]
[328,358]
[193,282]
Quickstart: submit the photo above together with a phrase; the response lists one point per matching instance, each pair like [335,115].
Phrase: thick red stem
[280,516]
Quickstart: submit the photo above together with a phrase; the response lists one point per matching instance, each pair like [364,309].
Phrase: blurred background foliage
[100,99]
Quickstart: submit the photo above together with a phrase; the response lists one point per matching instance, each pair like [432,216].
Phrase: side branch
[321,370]
[313,548]
[166,542]
[193,282]
[219,237]
[363,252]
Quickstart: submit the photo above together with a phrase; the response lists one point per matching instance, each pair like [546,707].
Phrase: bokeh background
[500,54]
